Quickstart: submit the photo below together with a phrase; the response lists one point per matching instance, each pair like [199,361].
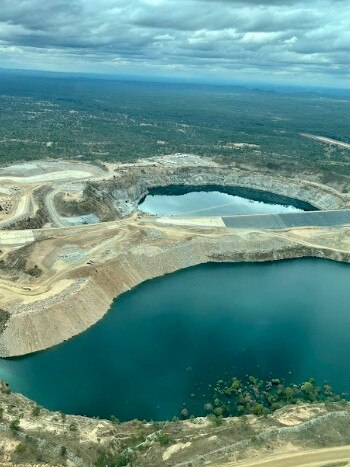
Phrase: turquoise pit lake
[172,337]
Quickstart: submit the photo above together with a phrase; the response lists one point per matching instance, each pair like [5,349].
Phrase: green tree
[15,425]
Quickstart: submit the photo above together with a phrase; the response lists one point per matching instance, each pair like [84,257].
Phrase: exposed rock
[125,192]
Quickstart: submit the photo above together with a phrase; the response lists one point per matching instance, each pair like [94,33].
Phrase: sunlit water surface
[212,203]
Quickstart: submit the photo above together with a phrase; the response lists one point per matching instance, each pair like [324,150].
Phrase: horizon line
[173,80]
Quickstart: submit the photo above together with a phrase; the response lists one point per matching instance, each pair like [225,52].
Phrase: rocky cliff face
[319,196]
[130,186]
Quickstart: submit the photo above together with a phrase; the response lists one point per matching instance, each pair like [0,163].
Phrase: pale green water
[208,204]
[175,335]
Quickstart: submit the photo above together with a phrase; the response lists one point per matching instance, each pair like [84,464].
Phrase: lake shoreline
[74,312]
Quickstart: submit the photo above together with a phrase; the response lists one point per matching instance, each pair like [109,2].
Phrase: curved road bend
[61,221]
[24,209]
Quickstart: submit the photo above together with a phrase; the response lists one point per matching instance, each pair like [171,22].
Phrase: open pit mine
[72,238]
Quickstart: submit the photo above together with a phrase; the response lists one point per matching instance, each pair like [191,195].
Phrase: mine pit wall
[134,189]
[119,197]
[51,325]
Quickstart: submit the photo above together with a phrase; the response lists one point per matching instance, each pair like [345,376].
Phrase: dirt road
[24,209]
[331,457]
[323,139]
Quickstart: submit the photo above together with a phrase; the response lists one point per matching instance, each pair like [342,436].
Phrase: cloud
[214,38]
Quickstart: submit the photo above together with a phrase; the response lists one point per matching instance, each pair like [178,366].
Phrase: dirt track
[323,139]
[331,457]
[24,209]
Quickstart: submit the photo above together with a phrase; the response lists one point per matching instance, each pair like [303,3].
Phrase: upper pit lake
[182,201]
[172,337]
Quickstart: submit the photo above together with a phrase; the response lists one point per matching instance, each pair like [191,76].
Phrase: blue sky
[278,41]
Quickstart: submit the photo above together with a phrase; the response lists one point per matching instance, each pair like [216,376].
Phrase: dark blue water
[173,336]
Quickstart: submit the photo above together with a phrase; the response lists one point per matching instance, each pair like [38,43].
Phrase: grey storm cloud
[217,37]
